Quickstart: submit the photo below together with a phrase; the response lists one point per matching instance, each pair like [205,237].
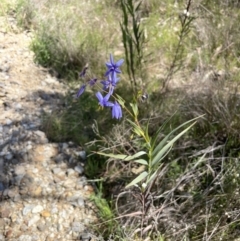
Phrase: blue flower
[103,101]
[81,90]
[113,68]
[110,83]
[92,82]
[116,111]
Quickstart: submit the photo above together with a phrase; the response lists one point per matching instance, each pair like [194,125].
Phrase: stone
[45,213]
[41,227]
[2,188]
[71,172]
[8,121]
[69,183]
[33,220]
[41,137]
[54,210]
[19,170]
[13,192]
[27,209]
[56,170]
[2,222]
[89,189]
[37,209]
[5,212]
[85,237]
[17,198]
[79,169]
[44,152]
[77,227]
[24,237]
[37,191]
[80,202]
[9,156]
[27,180]
[59,158]
[81,154]
[18,106]
[24,228]
[18,179]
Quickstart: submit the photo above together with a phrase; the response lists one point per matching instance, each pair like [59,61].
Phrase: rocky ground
[43,192]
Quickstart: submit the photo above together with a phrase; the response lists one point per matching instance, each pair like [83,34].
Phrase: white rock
[37,209]
[27,209]
[79,169]
[19,170]
[25,238]
[8,122]
[80,202]
[33,220]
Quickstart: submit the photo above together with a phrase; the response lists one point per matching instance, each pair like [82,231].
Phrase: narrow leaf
[138,179]
[170,143]
[164,141]
[141,161]
[123,157]
[135,109]
[137,128]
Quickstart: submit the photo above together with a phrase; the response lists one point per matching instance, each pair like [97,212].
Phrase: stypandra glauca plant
[133,39]
[152,153]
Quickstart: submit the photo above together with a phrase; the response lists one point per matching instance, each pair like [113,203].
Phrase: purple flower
[83,87]
[113,68]
[103,101]
[81,90]
[110,83]
[116,111]
[92,82]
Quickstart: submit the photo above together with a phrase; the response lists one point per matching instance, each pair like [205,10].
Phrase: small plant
[152,153]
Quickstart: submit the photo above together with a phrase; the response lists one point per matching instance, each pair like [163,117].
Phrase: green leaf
[123,157]
[141,161]
[163,170]
[154,139]
[137,179]
[138,130]
[165,148]
[164,141]
[135,109]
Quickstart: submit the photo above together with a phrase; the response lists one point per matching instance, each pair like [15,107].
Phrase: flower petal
[99,96]
[92,82]
[81,90]
[116,111]
[111,59]
[119,63]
